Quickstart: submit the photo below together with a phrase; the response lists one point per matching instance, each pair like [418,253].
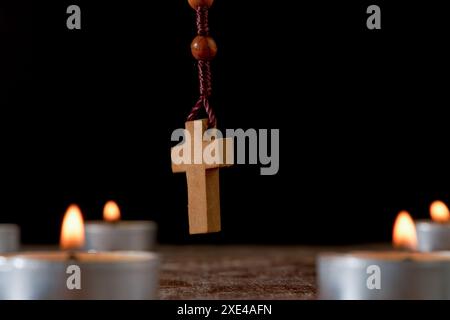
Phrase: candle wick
[72,256]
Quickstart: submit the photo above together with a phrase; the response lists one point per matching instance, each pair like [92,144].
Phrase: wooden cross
[202,177]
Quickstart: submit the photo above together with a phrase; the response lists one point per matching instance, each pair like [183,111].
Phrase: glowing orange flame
[111,212]
[439,212]
[72,231]
[404,234]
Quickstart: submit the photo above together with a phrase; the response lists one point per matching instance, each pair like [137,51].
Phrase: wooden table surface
[238,272]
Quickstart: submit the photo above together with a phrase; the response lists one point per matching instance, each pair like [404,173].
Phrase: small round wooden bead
[200,3]
[204,48]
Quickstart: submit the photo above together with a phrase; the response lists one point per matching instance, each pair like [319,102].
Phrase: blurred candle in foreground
[106,275]
[386,275]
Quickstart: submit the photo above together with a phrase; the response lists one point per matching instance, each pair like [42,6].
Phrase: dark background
[87,115]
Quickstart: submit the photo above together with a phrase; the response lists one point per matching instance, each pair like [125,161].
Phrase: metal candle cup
[120,235]
[9,238]
[433,236]
[402,275]
[108,275]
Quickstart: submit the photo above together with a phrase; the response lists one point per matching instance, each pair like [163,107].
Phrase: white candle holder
[108,275]
[9,238]
[121,235]
[402,276]
[433,236]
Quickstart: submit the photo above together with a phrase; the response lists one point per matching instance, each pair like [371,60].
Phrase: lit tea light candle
[9,238]
[387,275]
[113,234]
[71,274]
[434,235]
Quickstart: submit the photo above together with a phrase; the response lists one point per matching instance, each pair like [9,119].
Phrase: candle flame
[404,234]
[72,231]
[439,212]
[111,212]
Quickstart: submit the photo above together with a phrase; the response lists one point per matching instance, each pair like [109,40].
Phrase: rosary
[202,177]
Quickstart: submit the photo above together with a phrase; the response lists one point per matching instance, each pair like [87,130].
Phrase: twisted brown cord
[204,74]
[202,21]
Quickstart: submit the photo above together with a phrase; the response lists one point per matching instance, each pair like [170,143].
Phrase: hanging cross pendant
[201,159]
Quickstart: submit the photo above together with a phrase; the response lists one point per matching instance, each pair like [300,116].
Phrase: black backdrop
[362,115]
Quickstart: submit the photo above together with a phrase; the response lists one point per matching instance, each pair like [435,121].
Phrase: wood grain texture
[202,178]
[238,272]
[203,200]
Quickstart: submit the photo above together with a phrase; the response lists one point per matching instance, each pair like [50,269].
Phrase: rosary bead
[200,3]
[204,48]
